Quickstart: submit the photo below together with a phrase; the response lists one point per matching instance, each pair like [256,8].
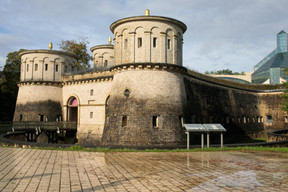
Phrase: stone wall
[145,107]
[38,101]
[91,95]
[242,111]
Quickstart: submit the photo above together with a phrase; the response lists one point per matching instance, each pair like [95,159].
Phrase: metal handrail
[44,125]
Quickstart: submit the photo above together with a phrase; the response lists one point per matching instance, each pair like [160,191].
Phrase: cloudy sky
[221,34]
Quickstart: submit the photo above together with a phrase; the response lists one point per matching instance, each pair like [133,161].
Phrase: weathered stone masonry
[138,93]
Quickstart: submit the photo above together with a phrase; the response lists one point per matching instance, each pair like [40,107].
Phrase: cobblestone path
[45,170]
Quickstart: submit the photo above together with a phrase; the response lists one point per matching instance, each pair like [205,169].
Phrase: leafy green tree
[10,76]
[79,49]
[224,72]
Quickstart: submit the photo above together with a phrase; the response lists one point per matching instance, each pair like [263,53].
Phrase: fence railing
[5,126]
[43,125]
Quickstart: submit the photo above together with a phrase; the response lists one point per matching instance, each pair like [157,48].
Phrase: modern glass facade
[282,42]
[270,70]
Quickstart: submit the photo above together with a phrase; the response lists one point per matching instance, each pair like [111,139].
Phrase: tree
[224,72]
[79,49]
[8,85]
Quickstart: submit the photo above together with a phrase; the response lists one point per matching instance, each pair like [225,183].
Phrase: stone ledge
[149,66]
[48,83]
[90,80]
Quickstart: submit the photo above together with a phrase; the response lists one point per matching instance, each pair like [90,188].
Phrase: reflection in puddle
[240,179]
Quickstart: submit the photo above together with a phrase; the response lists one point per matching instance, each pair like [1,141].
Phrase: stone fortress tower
[40,87]
[138,93]
[147,95]
[103,56]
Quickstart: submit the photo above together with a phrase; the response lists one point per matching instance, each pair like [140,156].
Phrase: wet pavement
[44,170]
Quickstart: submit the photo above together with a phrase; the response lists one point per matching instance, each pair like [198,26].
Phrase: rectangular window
[139,42]
[27,67]
[154,41]
[105,63]
[269,119]
[91,92]
[155,121]
[124,121]
[181,121]
[46,67]
[41,117]
[169,44]
[65,69]
[56,68]
[125,43]
[286,119]
[36,67]
[91,115]
[72,68]
[20,117]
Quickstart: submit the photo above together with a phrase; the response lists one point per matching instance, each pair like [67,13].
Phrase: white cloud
[221,34]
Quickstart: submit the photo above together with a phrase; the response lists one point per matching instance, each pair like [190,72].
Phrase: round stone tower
[147,99]
[148,39]
[103,56]
[40,88]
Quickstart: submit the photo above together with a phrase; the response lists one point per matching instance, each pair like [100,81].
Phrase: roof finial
[147,12]
[50,46]
[109,40]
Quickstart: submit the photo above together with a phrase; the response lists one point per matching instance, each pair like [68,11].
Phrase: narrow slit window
[139,42]
[20,117]
[105,63]
[36,67]
[154,42]
[56,68]
[91,115]
[65,70]
[46,67]
[72,68]
[169,44]
[181,121]
[91,92]
[125,43]
[155,121]
[124,121]
[27,67]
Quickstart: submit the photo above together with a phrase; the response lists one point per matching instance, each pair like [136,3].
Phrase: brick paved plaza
[45,170]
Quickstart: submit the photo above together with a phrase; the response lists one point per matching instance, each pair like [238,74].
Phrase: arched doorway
[72,116]
[72,109]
